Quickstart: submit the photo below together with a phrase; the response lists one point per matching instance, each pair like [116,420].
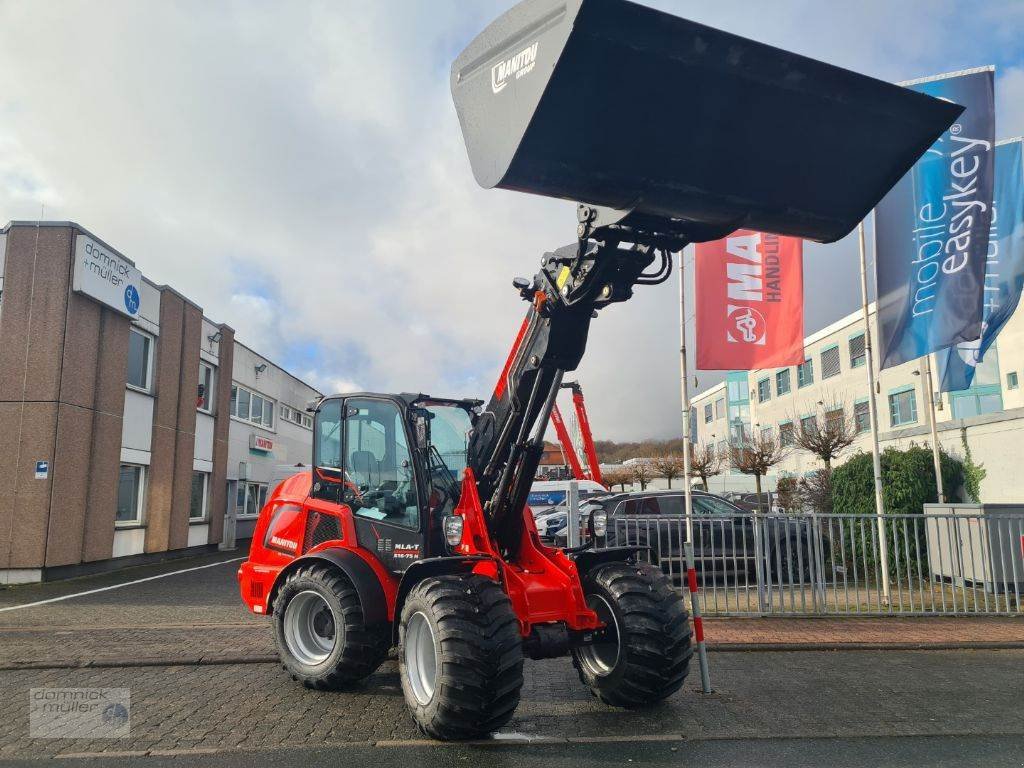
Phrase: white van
[545,494]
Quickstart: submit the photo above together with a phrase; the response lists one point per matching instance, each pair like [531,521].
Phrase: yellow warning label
[563,277]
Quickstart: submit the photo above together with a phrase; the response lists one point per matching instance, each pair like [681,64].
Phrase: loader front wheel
[460,656]
[321,637]
[643,654]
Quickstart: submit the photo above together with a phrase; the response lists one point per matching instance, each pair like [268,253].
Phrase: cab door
[380,481]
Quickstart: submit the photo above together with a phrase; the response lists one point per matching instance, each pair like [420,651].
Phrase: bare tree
[668,466]
[643,472]
[827,432]
[816,490]
[757,455]
[789,493]
[619,477]
[705,462]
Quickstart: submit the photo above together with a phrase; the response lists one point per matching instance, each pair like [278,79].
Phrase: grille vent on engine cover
[320,527]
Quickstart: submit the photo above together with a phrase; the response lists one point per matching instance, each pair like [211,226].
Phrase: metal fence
[769,564]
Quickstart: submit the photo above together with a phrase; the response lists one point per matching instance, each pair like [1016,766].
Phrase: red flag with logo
[750,302]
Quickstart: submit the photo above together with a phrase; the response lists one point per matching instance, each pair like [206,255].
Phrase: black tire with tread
[364,647]
[654,654]
[480,656]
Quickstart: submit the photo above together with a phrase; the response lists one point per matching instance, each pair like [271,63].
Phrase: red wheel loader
[412,528]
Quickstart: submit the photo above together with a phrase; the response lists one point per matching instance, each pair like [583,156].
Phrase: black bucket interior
[611,103]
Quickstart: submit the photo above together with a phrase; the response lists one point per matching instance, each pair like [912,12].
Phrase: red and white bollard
[698,621]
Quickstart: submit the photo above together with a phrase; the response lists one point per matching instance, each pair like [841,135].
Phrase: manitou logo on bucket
[515,66]
[749,302]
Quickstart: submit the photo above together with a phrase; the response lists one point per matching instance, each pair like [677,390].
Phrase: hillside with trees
[611,452]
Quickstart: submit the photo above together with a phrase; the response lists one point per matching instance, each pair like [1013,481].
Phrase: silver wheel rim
[601,658]
[421,660]
[310,628]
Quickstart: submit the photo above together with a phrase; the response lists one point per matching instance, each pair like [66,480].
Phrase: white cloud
[1010,103]
[298,170]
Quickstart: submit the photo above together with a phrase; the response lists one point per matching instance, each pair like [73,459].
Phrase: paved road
[758,696]
[797,708]
[884,752]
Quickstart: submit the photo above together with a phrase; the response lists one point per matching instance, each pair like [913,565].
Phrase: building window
[985,393]
[782,383]
[1011,380]
[809,424]
[766,433]
[250,499]
[903,407]
[861,416]
[140,360]
[130,492]
[830,363]
[198,500]
[248,406]
[805,374]
[858,351]
[295,416]
[976,401]
[719,407]
[204,399]
[708,414]
[764,390]
[786,434]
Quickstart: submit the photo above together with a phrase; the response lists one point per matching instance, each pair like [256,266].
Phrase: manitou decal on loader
[412,528]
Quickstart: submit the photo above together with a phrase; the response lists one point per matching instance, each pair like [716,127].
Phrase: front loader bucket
[614,104]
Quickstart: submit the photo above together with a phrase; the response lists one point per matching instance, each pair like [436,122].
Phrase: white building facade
[989,416]
[270,436]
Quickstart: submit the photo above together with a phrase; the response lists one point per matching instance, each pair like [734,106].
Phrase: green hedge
[908,483]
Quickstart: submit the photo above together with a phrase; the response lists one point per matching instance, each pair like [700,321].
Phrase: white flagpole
[936,455]
[685,387]
[883,544]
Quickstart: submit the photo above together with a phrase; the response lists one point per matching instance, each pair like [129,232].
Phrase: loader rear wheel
[321,637]
[460,656]
[644,654]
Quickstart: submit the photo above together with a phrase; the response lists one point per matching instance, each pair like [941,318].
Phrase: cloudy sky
[298,170]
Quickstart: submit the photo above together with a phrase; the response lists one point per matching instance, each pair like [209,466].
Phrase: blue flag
[932,230]
[1004,268]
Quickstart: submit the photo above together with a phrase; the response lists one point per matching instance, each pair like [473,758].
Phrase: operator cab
[396,461]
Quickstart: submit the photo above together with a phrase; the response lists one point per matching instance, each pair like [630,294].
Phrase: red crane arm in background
[593,471]
[585,433]
[568,451]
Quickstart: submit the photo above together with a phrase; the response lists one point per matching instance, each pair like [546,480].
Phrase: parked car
[768,504]
[553,524]
[723,534]
[547,494]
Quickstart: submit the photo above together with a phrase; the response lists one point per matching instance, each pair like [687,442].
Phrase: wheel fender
[422,569]
[591,559]
[362,576]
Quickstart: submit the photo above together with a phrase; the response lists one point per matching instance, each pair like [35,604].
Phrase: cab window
[380,483]
[328,435]
[327,452]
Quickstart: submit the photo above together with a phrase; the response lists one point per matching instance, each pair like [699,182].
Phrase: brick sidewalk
[36,646]
[899,632]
